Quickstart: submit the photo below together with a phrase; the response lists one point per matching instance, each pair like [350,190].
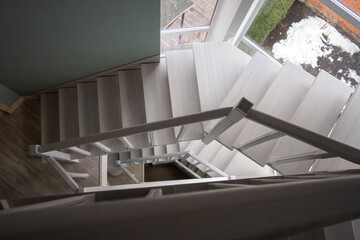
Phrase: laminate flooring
[22,175]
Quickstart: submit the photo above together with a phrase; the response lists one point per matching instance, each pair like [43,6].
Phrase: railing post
[236,114]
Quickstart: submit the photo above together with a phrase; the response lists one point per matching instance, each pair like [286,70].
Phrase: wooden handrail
[329,145]
[142,128]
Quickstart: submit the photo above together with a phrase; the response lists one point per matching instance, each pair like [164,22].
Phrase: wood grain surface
[68,113]
[110,109]
[252,84]
[50,131]
[318,112]
[184,91]
[346,131]
[157,99]
[281,101]
[132,104]
[218,66]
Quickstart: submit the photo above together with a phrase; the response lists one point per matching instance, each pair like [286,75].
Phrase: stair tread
[243,167]
[223,158]
[110,109]
[281,100]
[208,152]
[346,131]
[50,131]
[88,108]
[172,148]
[218,66]
[184,91]
[88,113]
[69,115]
[318,112]
[252,84]
[157,99]
[132,105]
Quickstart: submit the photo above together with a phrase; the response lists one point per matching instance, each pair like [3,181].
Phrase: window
[184,22]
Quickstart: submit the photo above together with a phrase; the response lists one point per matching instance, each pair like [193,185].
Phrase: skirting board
[109,72]
[10,109]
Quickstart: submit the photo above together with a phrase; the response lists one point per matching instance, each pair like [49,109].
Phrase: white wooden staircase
[189,82]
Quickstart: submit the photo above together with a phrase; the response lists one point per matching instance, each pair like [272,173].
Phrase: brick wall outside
[354,5]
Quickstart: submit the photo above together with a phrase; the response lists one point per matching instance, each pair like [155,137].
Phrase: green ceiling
[47,42]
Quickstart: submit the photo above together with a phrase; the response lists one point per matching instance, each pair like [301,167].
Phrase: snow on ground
[310,39]
[306,40]
[352,74]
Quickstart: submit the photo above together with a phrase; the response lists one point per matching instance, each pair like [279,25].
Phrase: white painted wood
[281,101]
[103,166]
[88,108]
[160,150]
[318,112]
[78,175]
[49,118]
[101,146]
[223,158]
[139,129]
[80,151]
[346,131]
[68,113]
[63,173]
[173,148]
[157,99]
[252,84]
[208,153]
[132,105]
[110,109]
[147,152]
[59,155]
[88,113]
[208,165]
[184,90]
[218,66]
[136,153]
[183,145]
[243,167]
[195,146]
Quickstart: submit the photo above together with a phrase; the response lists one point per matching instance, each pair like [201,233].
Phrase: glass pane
[187,13]
[306,34]
[180,41]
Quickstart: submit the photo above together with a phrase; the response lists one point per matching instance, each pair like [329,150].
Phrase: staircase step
[346,130]
[318,112]
[252,84]
[133,105]
[157,99]
[110,109]
[88,113]
[218,66]
[69,113]
[50,131]
[222,159]
[173,148]
[243,167]
[88,108]
[281,100]
[208,152]
[195,146]
[184,90]
[147,152]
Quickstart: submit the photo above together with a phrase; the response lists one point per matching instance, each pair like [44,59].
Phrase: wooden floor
[22,175]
